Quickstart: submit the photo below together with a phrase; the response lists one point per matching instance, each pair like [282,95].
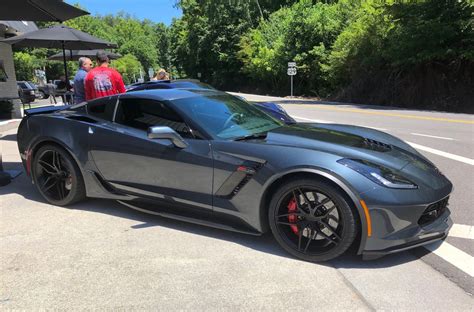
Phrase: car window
[102,108]
[225,116]
[32,85]
[144,113]
[23,85]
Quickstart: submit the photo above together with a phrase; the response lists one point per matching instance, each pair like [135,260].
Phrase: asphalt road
[101,255]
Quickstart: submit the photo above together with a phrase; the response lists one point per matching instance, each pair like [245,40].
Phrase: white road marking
[327,121]
[453,255]
[466,160]
[462,231]
[313,120]
[432,136]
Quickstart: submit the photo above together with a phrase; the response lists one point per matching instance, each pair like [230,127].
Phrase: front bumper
[435,231]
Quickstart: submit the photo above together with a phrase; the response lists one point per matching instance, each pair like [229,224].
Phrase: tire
[57,176]
[44,96]
[312,234]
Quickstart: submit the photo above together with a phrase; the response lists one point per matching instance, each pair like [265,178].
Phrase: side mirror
[158,132]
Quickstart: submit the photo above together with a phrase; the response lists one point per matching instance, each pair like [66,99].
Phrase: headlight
[378,174]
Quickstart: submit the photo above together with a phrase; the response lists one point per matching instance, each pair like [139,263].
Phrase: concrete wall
[8,89]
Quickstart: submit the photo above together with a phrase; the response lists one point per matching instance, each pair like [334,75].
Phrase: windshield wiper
[261,135]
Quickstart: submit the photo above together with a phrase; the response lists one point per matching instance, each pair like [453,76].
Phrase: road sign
[291,71]
[291,64]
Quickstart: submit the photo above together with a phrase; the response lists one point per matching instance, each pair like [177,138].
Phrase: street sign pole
[291,72]
[291,93]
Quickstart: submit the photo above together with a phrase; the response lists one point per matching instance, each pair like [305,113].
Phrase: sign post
[291,72]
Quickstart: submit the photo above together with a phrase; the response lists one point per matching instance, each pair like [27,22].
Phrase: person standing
[102,80]
[63,89]
[85,65]
[161,74]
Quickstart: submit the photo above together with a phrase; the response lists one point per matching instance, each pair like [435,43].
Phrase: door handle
[91,130]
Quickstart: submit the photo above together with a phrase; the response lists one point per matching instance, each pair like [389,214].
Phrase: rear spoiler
[44,110]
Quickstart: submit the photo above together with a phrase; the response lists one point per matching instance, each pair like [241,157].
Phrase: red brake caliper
[292,218]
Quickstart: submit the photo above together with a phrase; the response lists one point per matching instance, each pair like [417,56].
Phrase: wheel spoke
[333,232]
[300,233]
[45,189]
[333,218]
[298,206]
[306,199]
[60,190]
[327,237]
[324,202]
[47,167]
[290,214]
[310,239]
[56,160]
[285,223]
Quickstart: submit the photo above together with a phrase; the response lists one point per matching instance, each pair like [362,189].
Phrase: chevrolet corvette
[210,158]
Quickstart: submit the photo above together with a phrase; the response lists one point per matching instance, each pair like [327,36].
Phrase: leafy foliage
[396,52]
[128,66]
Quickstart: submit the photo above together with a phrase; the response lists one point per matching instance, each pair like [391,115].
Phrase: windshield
[227,117]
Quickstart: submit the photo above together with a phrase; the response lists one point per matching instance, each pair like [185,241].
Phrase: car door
[152,168]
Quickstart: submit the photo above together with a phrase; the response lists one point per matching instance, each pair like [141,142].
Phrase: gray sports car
[207,157]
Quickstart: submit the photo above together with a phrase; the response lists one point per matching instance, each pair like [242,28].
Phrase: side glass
[102,108]
[143,113]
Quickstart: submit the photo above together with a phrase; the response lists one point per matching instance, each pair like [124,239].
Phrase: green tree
[24,65]
[128,66]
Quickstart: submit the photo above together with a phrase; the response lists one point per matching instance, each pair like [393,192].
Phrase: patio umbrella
[38,10]
[59,37]
[74,55]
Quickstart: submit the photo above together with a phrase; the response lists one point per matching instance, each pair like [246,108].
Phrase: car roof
[171,84]
[171,94]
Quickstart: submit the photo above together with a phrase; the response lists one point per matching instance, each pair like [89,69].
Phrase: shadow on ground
[265,243]
[9,137]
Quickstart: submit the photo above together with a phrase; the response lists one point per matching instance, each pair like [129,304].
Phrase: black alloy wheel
[312,220]
[57,176]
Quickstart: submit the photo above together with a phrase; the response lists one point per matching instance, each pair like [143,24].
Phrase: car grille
[433,211]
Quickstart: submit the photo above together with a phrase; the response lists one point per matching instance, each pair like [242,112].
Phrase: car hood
[348,141]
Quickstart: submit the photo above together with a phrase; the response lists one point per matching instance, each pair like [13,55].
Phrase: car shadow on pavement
[265,243]
[8,137]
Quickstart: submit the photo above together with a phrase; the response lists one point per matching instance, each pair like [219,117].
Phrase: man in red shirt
[102,80]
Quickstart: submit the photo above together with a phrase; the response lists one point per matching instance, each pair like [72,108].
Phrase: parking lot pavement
[101,255]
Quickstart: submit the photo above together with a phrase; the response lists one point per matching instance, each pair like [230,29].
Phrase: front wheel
[312,220]
[57,176]
[44,96]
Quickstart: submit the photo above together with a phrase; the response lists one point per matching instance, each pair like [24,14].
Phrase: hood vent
[377,146]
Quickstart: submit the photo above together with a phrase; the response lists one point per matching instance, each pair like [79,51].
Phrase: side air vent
[238,179]
[377,146]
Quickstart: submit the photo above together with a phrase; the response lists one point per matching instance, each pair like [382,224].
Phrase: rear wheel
[312,220]
[57,176]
